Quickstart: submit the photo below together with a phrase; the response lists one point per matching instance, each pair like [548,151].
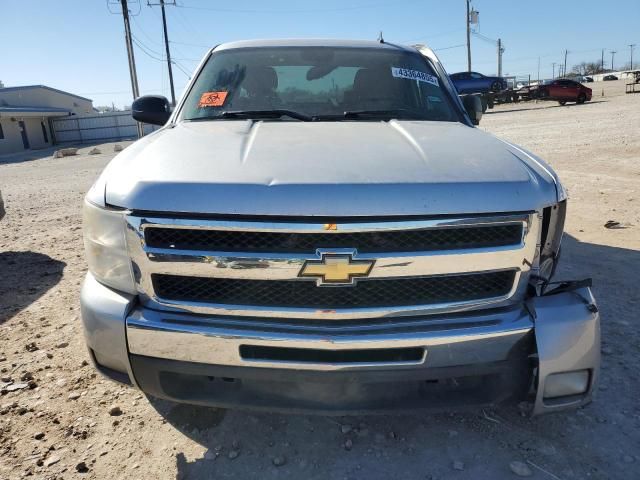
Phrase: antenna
[380,38]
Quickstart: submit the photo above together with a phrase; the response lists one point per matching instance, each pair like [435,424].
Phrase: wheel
[562,102]
[582,98]
[495,87]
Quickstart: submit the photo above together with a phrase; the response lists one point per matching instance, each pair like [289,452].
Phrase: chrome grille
[364,242]
[251,268]
[366,293]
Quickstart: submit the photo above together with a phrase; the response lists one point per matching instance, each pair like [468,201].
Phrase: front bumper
[478,358]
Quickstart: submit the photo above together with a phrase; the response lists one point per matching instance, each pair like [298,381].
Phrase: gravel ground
[65,421]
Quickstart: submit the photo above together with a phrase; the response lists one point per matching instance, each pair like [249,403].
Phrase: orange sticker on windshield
[212,99]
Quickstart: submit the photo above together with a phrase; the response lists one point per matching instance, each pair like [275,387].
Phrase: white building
[25,113]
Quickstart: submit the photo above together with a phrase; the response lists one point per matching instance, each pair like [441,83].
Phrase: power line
[189,27]
[182,69]
[158,56]
[485,38]
[147,51]
[449,48]
[150,52]
[148,37]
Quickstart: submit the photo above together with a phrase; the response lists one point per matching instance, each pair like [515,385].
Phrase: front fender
[567,331]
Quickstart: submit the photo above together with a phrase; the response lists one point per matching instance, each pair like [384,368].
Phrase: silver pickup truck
[320,227]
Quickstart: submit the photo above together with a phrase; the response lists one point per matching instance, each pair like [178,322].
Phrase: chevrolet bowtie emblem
[336,269]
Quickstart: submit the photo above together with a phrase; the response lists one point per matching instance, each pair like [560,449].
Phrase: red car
[564,91]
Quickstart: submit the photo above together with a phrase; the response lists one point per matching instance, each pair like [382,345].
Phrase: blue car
[474,82]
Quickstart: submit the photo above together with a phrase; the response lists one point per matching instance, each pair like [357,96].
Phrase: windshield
[318,83]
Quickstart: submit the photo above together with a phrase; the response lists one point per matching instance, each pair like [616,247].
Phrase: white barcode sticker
[414,75]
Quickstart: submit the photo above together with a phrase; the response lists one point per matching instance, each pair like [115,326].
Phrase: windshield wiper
[277,113]
[386,114]
[399,113]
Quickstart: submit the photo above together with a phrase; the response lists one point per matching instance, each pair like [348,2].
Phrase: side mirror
[153,109]
[473,106]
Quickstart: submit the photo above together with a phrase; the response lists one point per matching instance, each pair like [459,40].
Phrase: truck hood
[326,169]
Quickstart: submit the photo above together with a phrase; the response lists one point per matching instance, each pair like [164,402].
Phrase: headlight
[105,247]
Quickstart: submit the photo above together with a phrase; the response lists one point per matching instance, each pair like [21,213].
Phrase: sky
[79,45]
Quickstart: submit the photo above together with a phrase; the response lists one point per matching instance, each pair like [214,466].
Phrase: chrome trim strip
[260,266]
[140,223]
[287,267]
[149,335]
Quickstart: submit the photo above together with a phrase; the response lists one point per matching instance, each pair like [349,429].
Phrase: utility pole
[564,70]
[166,47]
[468,38]
[131,58]
[613,54]
[538,70]
[500,52]
[602,62]
[553,75]
[631,47]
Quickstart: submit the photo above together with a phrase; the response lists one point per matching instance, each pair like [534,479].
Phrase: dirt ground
[59,425]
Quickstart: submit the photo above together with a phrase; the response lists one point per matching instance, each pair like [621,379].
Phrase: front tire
[582,98]
[562,102]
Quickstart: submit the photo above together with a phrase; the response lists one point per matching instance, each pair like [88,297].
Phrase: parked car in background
[608,78]
[564,91]
[531,91]
[474,82]
[588,79]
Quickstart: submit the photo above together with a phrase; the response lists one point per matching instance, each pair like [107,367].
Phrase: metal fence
[97,128]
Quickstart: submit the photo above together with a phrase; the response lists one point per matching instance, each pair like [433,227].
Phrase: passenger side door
[572,90]
[479,81]
[461,81]
[565,90]
[555,89]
